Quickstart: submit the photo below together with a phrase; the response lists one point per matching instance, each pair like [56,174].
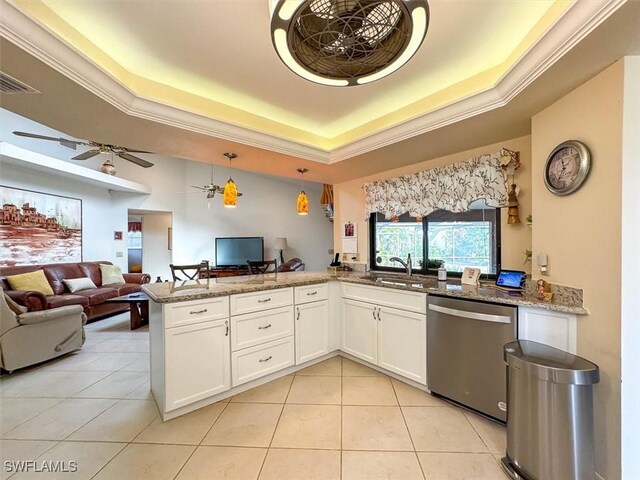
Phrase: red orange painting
[37,228]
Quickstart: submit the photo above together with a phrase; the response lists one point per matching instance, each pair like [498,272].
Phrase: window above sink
[466,239]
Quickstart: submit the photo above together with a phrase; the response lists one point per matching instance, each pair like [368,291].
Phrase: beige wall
[349,202]
[581,235]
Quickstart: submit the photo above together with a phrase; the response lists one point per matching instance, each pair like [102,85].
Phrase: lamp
[230,193]
[302,204]
[280,244]
[345,43]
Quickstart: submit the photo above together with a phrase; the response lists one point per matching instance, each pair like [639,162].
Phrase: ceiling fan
[97,149]
[211,189]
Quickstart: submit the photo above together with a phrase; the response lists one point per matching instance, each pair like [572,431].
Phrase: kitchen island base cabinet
[312,331]
[197,362]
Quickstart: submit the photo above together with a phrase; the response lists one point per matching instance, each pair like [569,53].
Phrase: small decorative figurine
[108,167]
[543,291]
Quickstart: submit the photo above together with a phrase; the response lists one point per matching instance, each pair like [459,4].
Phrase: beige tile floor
[335,420]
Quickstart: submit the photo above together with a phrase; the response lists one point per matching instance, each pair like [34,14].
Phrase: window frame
[496,232]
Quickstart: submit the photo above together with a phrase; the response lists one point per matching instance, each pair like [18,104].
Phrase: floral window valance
[451,187]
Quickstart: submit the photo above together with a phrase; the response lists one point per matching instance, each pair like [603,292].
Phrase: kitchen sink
[414,281]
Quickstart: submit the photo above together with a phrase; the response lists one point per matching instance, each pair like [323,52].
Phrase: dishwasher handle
[485,317]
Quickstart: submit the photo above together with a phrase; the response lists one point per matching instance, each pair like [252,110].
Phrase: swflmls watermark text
[43,466]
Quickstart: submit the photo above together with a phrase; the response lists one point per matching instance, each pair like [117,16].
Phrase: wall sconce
[302,204]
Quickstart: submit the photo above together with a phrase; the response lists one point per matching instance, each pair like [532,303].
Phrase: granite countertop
[566,300]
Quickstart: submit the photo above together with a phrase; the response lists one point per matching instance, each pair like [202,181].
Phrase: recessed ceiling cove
[210,67]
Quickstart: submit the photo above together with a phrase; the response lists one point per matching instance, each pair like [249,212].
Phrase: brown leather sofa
[93,300]
[293,265]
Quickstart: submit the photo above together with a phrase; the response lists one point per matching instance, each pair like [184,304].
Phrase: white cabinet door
[312,330]
[556,329]
[402,343]
[197,362]
[360,330]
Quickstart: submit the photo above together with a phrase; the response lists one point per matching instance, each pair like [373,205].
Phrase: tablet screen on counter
[511,279]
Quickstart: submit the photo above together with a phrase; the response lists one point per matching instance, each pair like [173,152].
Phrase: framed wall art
[37,228]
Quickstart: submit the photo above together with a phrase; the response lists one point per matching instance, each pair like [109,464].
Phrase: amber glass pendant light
[230,193]
[302,204]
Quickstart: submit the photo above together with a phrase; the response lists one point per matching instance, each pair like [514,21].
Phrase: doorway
[149,243]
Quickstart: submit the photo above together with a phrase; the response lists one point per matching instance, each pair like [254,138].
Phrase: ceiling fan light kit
[344,43]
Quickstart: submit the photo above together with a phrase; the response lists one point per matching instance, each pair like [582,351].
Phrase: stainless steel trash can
[549,413]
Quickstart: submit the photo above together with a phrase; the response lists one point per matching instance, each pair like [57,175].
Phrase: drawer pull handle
[265,359]
[226,332]
[298,316]
[196,312]
[265,327]
[312,293]
[265,300]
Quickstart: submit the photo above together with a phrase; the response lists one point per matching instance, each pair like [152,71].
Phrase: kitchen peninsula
[215,338]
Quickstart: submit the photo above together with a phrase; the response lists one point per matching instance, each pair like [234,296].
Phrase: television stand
[221,272]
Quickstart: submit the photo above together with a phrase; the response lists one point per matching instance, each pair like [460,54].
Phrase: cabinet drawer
[311,293]
[256,301]
[196,311]
[388,297]
[261,360]
[260,327]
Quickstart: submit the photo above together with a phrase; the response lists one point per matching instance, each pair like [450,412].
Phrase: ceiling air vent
[8,84]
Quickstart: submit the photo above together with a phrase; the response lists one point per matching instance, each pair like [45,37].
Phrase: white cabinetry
[262,334]
[190,352]
[312,331]
[402,343]
[387,328]
[197,362]
[360,330]
[556,329]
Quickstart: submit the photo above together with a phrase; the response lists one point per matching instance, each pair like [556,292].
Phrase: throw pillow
[14,306]
[111,274]
[75,284]
[35,281]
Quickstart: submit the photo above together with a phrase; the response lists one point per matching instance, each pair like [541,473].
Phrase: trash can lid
[550,364]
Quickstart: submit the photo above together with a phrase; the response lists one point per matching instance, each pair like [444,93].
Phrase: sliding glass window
[459,240]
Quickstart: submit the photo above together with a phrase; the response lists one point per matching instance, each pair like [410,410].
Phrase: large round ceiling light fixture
[347,42]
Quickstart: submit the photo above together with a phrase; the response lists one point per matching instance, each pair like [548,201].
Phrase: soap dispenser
[442,273]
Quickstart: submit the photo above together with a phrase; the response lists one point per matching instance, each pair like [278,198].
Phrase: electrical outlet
[543,264]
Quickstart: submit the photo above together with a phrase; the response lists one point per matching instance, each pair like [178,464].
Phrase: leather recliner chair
[34,337]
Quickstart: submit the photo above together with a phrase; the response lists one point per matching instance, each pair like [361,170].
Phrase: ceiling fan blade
[204,189]
[239,194]
[86,155]
[129,150]
[134,159]
[44,137]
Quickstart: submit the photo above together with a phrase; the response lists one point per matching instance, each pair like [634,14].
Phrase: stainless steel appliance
[464,352]
[550,427]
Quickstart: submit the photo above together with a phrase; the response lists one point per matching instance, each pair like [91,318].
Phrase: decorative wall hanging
[326,201]
[567,167]
[37,228]
[451,187]
[302,203]
[339,43]
[513,213]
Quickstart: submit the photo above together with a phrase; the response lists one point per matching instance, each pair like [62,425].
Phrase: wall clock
[567,167]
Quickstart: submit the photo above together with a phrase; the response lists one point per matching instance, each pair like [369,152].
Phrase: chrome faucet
[406,265]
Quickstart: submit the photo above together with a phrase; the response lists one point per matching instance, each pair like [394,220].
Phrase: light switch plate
[119,254]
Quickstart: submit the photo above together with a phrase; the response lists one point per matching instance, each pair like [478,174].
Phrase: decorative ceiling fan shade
[230,194]
[347,42]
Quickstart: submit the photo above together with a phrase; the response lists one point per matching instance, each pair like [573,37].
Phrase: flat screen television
[235,251]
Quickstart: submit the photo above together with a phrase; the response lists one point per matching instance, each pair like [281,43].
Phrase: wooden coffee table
[139,308]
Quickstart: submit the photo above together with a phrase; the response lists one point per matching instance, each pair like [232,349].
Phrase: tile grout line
[406,425]
[275,429]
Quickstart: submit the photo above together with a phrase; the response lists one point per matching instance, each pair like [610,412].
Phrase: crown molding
[579,20]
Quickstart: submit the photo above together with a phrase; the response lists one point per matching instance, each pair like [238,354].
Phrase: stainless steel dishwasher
[465,342]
